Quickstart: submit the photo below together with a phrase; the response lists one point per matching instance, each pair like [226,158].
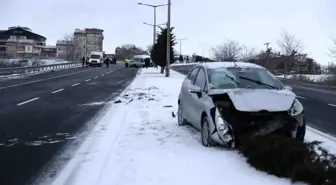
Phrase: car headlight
[296,108]
[221,126]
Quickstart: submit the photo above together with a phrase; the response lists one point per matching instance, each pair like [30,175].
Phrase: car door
[197,102]
[186,95]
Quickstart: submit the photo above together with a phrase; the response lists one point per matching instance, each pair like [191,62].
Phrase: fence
[36,69]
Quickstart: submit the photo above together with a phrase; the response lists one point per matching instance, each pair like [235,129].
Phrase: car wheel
[205,133]
[301,131]
[180,120]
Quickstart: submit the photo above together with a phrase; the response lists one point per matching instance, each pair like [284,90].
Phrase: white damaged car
[230,102]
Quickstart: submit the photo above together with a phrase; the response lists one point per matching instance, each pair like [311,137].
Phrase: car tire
[301,131]
[180,120]
[205,133]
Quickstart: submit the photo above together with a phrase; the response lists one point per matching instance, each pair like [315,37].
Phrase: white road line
[59,90]
[96,77]
[35,81]
[75,84]
[333,105]
[87,80]
[300,97]
[102,75]
[19,104]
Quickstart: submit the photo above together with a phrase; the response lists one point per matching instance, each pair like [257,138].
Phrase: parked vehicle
[139,61]
[231,102]
[96,58]
[135,63]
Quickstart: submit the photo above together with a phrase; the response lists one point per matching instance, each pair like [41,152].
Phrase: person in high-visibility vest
[126,62]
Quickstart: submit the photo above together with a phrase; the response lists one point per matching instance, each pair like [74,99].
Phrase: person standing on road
[114,60]
[107,62]
[87,61]
[126,62]
[83,61]
[147,61]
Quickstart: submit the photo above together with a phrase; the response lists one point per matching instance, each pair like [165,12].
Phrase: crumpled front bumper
[281,123]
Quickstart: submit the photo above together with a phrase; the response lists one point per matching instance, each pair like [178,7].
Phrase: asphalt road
[40,114]
[318,100]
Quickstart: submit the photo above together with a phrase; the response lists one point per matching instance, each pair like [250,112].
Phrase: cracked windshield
[167,92]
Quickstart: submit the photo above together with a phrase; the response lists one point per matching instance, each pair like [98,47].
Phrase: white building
[85,41]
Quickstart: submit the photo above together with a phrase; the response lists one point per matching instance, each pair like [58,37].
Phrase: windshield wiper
[258,82]
[231,78]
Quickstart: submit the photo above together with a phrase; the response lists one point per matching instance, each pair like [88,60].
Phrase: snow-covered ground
[313,78]
[137,142]
[183,64]
[31,62]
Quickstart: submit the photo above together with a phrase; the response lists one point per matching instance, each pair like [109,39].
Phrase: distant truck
[96,58]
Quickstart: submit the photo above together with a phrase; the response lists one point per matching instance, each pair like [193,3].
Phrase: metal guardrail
[36,69]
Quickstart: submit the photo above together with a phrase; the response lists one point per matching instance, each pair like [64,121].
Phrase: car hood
[254,100]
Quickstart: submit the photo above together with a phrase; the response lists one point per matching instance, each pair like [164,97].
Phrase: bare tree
[289,43]
[228,51]
[67,44]
[149,48]
[68,37]
[289,46]
[332,49]
[247,54]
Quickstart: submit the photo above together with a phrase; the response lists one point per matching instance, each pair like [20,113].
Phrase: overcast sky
[204,23]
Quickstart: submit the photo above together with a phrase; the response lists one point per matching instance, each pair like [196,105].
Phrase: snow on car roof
[212,65]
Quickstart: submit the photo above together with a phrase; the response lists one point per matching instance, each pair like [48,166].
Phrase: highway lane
[38,119]
[318,100]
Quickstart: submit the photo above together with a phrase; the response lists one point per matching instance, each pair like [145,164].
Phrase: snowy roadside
[138,142]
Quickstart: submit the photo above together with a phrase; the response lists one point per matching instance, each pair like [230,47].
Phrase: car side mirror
[288,88]
[196,90]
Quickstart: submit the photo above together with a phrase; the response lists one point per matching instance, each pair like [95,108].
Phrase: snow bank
[184,64]
[29,62]
[313,78]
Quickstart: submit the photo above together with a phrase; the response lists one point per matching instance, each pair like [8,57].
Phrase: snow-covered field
[138,142]
[313,78]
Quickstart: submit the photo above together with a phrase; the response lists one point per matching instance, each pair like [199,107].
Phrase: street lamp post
[168,41]
[181,44]
[158,25]
[154,27]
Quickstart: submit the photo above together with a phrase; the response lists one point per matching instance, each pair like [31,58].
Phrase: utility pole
[168,41]
[154,27]
[267,44]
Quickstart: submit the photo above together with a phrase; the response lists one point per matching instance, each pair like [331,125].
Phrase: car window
[193,74]
[201,79]
[222,79]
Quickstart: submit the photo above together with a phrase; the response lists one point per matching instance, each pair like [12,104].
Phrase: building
[88,40]
[20,42]
[65,50]
[48,52]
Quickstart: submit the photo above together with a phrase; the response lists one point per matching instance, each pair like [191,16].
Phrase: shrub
[287,157]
